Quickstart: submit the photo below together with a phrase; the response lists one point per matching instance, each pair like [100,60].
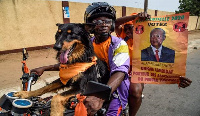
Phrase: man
[113,51]
[110,49]
[124,29]
[156,51]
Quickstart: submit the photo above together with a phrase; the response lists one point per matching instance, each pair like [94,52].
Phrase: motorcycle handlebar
[32,78]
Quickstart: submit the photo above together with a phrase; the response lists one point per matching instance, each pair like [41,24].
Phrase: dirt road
[11,66]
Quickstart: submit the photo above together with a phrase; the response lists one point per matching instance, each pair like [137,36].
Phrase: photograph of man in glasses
[156,51]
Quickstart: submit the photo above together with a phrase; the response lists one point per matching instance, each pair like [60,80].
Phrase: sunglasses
[101,22]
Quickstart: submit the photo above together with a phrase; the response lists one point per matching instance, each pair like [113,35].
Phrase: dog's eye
[69,31]
[59,30]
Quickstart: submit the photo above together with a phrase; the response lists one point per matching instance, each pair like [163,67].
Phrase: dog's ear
[89,27]
[58,24]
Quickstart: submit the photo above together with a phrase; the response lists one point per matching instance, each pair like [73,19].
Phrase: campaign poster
[160,49]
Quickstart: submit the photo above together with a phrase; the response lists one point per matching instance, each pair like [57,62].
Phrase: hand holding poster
[160,49]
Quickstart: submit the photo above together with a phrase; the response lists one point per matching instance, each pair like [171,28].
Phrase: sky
[162,5]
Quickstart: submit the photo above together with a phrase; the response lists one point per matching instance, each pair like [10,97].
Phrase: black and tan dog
[78,65]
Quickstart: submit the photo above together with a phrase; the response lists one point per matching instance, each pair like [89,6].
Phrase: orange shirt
[101,50]
[122,34]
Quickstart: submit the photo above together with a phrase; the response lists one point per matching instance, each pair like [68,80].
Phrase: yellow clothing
[130,47]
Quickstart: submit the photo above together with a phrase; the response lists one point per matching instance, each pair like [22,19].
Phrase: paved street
[169,100]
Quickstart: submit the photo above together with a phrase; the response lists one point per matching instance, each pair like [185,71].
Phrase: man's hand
[93,104]
[184,82]
[143,15]
[39,71]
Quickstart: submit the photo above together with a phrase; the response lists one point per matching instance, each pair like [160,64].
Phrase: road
[169,100]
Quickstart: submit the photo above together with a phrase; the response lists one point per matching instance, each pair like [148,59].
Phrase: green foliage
[192,6]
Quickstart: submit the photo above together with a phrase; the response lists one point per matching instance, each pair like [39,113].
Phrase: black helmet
[97,9]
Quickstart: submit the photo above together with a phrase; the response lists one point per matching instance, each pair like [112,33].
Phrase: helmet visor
[102,11]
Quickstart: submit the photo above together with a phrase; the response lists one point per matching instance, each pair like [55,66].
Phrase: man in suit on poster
[156,51]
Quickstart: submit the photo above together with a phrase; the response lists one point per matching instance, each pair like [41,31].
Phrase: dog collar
[69,71]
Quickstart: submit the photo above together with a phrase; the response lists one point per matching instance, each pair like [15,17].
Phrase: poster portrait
[160,49]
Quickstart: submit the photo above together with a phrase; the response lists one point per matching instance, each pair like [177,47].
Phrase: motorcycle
[37,106]
[34,106]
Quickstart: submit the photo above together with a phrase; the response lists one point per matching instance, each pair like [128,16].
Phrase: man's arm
[117,76]
[115,80]
[93,103]
[40,70]
[122,20]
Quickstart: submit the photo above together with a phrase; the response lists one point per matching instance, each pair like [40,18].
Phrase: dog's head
[73,42]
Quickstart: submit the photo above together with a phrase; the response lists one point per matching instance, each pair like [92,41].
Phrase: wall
[77,11]
[28,23]
[198,23]
[192,23]
[31,23]
[130,10]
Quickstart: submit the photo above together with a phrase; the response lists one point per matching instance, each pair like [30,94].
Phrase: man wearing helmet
[113,51]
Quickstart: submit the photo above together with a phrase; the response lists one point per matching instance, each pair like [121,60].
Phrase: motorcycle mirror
[98,89]
[25,54]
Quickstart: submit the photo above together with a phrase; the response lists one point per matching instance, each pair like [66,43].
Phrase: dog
[78,65]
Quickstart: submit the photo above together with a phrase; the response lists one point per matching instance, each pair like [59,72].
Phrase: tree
[192,6]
